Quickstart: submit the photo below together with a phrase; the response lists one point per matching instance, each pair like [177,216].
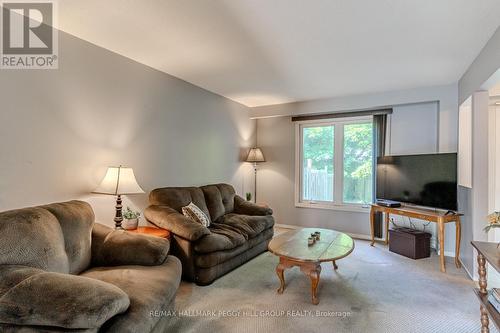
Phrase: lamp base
[255,182]
[118,214]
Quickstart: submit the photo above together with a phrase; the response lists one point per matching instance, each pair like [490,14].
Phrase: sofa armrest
[170,219]
[241,206]
[61,300]
[99,234]
[119,247]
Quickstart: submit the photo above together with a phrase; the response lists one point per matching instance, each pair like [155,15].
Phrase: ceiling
[261,52]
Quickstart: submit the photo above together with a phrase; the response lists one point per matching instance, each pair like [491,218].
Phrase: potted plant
[493,222]
[249,196]
[130,219]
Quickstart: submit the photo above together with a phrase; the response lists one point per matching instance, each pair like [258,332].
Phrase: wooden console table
[422,214]
[486,252]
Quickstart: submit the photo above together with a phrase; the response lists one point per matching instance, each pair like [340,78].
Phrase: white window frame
[337,203]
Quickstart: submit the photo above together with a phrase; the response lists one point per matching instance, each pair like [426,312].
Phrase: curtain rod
[342,114]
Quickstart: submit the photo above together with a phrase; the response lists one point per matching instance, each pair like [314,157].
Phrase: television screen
[428,180]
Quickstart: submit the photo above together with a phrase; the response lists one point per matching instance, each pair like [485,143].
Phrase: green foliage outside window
[358,163]
[318,162]
[318,147]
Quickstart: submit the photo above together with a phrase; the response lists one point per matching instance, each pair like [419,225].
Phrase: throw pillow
[196,214]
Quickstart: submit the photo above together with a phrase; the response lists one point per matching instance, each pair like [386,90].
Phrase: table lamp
[255,156]
[117,181]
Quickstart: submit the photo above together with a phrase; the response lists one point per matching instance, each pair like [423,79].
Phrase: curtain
[379,138]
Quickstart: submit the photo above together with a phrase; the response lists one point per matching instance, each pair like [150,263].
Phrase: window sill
[344,207]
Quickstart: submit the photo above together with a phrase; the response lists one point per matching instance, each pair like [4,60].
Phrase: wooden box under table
[411,243]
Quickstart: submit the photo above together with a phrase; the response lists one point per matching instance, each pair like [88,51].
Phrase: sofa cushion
[76,219]
[61,300]
[207,260]
[205,276]
[231,231]
[149,288]
[178,197]
[121,247]
[219,199]
[220,238]
[10,275]
[249,226]
[32,237]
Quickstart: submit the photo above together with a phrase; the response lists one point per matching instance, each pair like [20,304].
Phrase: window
[317,163]
[335,163]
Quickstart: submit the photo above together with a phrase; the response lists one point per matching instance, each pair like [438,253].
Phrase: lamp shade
[119,180]
[255,155]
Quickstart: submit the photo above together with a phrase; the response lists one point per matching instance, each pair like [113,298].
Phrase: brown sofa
[60,272]
[239,231]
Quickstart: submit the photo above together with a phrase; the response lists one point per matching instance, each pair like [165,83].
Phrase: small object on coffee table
[292,251]
[311,241]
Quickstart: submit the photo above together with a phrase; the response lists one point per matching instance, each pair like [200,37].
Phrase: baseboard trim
[361,236]
[471,276]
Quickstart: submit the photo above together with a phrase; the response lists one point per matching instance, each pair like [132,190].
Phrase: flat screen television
[428,180]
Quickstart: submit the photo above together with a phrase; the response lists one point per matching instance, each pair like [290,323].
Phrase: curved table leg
[313,270]
[372,225]
[335,265]
[280,272]
[457,243]
[441,245]
[314,276]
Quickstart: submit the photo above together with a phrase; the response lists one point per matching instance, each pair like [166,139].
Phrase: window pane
[358,163]
[317,163]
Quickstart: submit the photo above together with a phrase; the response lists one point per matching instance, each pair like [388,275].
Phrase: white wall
[276,137]
[465,144]
[482,69]
[62,128]
[473,202]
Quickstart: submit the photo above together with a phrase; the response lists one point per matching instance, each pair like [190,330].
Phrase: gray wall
[413,130]
[62,128]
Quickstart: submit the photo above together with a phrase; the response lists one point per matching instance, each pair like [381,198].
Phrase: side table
[152,231]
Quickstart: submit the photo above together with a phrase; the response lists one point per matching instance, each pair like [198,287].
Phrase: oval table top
[332,245]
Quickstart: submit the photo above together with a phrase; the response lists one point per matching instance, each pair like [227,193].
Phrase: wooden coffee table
[293,250]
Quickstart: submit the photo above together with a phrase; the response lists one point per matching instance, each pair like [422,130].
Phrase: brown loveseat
[60,272]
[238,232]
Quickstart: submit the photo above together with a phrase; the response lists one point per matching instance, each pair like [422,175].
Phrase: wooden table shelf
[486,252]
[492,312]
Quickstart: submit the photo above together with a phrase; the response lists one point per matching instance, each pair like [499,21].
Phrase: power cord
[412,226]
[394,223]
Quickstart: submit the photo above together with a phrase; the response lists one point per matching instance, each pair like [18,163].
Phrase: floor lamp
[117,181]
[255,156]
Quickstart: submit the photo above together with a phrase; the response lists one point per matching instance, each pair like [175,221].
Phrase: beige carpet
[374,290]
